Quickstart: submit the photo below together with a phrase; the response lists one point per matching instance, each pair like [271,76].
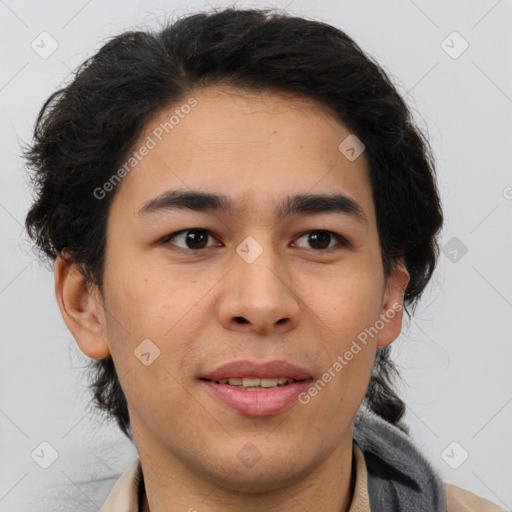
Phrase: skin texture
[299,304]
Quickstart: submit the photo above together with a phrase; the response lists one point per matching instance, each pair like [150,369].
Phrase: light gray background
[456,353]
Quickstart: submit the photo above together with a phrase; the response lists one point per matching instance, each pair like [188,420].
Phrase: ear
[81,308]
[393,304]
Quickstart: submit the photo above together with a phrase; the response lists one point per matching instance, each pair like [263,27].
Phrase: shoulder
[461,500]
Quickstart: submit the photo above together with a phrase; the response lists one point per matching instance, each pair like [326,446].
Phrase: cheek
[344,309]
[156,315]
[156,304]
[147,300]
[347,301]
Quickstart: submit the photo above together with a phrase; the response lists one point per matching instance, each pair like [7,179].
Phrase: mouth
[257,389]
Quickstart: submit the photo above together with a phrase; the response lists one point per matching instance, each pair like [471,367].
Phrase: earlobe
[393,305]
[81,309]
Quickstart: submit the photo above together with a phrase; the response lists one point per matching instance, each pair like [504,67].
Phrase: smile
[263,399]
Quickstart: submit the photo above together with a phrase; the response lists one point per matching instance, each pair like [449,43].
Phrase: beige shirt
[124,497]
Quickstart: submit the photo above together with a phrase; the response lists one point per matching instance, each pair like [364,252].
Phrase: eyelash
[342,242]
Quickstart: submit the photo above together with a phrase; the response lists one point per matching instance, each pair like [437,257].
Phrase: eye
[320,240]
[192,239]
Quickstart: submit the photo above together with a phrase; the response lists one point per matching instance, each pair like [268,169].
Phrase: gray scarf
[400,479]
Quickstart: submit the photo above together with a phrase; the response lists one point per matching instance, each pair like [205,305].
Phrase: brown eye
[192,239]
[320,240]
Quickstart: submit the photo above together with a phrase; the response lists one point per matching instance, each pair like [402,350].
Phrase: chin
[261,478]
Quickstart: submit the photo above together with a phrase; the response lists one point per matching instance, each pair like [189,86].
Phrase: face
[277,286]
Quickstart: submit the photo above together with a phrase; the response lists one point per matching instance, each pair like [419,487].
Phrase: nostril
[240,320]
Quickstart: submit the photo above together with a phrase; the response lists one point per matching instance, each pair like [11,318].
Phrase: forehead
[257,146]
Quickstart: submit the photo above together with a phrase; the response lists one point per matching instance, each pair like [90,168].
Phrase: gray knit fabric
[400,479]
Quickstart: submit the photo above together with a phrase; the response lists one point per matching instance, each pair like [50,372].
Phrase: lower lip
[259,403]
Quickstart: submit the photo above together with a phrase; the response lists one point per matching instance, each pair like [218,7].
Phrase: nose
[258,297]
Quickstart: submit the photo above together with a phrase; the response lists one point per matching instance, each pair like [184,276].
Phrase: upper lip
[255,369]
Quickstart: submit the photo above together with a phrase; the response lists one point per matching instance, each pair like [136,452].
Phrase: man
[240,209]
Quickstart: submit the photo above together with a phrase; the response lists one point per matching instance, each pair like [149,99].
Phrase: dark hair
[85,131]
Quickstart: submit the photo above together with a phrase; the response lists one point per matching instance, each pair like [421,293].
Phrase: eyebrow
[306,204]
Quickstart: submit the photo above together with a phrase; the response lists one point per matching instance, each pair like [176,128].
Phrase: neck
[328,487]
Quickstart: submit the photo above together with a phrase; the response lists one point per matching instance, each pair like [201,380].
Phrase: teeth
[248,383]
[256,383]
